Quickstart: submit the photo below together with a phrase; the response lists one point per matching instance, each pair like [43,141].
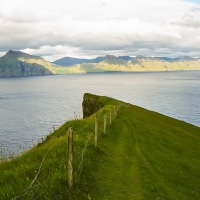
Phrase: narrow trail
[121,175]
[118,168]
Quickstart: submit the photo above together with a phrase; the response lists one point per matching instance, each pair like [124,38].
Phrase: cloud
[89,28]
[189,21]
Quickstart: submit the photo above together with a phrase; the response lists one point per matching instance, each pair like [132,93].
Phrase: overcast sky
[88,28]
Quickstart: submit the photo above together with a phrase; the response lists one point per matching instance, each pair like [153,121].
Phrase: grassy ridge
[142,65]
[144,155]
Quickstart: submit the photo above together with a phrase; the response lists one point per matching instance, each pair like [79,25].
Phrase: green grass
[143,155]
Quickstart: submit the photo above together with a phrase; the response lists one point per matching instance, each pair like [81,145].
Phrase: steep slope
[141,63]
[17,63]
[110,63]
[137,64]
[143,155]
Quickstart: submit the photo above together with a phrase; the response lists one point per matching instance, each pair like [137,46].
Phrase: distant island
[17,64]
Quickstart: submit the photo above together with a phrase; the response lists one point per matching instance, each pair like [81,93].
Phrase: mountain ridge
[17,63]
[69,61]
[137,64]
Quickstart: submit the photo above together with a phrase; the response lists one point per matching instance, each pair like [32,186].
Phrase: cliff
[90,105]
[15,64]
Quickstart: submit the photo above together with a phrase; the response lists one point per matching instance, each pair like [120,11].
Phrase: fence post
[104,127]
[96,130]
[110,116]
[70,158]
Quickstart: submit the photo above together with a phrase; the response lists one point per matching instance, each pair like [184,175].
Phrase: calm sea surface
[30,107]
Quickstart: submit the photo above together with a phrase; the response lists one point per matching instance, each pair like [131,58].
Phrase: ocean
[32,107]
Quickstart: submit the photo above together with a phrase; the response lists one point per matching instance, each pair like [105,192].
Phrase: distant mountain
[168,59]
[137,64]
[97,60]
[127,58]
[110,59]
[184,58]
[17,63]
[69,61]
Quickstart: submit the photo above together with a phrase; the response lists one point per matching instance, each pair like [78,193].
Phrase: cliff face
[16,63]
[23,69]
[90,105]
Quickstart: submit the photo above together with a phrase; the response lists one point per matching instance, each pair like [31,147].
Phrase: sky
[89,28]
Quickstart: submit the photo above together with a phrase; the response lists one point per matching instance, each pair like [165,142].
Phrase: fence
[83,133]
[100,127]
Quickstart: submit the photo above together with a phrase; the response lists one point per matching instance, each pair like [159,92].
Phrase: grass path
[140,159]
[118,171]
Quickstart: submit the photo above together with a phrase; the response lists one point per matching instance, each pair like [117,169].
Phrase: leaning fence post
[104,127]
[96,130]
[70,158]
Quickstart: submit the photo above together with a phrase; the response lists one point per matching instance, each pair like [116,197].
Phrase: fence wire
[87,134]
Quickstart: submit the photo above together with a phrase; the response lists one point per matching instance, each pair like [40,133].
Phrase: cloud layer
[89,28]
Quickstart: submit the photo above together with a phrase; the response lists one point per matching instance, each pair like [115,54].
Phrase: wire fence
[85,135]
[95,129]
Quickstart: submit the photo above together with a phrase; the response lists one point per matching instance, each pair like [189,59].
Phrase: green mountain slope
[137,64]
[17,63]
[143,155]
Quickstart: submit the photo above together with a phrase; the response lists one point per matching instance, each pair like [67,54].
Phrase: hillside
[136,64]
[69,61]
[143,155]
[17,63]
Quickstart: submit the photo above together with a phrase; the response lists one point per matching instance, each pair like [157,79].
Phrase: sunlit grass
[143,155]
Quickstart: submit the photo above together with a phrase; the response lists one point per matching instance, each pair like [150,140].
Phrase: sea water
[31,107]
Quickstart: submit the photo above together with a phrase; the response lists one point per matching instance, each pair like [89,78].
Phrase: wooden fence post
[110,116]
[96,130]
[70,158]
[104,125]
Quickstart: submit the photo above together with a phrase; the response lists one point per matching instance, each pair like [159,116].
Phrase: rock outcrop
[90,105]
